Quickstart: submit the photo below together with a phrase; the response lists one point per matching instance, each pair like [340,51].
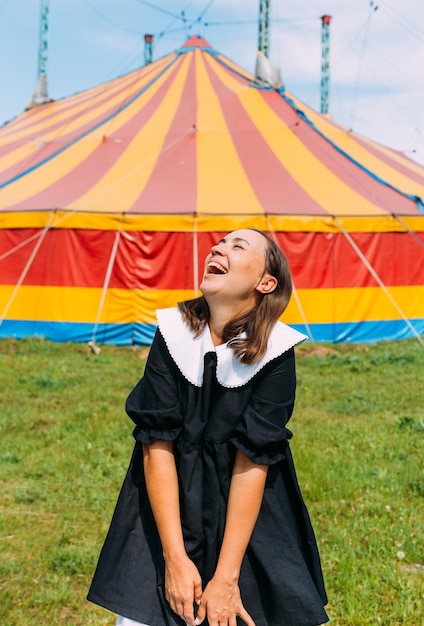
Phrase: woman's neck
[219,318]
[216,327]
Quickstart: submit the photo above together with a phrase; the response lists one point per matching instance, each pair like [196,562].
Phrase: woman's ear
[267,284]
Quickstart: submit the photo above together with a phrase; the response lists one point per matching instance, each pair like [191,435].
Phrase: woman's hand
[221,604]
[183,587]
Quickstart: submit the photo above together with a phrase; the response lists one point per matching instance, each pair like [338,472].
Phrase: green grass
[65,443]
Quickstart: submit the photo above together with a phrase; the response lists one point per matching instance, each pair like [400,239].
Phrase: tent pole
[92,343]
[295,294]
[378,279]
[195,259]
[27,267]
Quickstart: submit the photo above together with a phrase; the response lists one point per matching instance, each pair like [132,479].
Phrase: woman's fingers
[182,609]
[244,615]
[188,614]
[187,611]
[230,619]
[221,604]
[198,591]
[200,616]
[183,588]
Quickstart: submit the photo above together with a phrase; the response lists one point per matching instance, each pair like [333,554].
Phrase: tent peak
[196,41]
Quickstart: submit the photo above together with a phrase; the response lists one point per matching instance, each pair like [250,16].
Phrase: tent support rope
[409,231]
[20,245]
[295,294]
[24,243]
[92,343]
[378,279]
[27,267]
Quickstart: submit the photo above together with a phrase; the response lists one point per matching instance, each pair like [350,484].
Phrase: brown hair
[257,323]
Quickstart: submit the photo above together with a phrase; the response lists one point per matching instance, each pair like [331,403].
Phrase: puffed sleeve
[261,433]
[153,403]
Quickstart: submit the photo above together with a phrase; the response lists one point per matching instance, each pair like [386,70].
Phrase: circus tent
[111,198]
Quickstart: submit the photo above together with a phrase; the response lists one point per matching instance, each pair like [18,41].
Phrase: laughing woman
[210,525]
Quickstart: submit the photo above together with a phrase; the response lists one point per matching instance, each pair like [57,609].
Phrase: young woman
[210,525]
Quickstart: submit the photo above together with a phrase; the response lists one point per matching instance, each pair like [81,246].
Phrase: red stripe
[73,258]
[79,181]
[384,157]
[402,169]
[156,260]
[32,117]
[46,149]
[163,260]
[348,172]
[327,260]
[64,138]
[172,186]
[80,258]
[275,188]
[30,121]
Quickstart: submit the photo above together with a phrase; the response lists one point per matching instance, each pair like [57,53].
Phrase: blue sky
[376,54]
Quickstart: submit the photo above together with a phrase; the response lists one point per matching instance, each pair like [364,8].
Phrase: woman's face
[235,269]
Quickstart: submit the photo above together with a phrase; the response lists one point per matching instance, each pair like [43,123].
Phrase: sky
[376,52]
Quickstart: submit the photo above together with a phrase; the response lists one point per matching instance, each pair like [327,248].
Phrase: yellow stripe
[328,191]
[345,140]
[148,301]
[101,195]
[66,110]
[395,156]
[222,181]
[235,67]
[320,306]
[47,174]
[81,304]
[323,123]
[69,117]
[71,121]
[221,223]
[34,117]
[27,122]
[122,185]
[228,79]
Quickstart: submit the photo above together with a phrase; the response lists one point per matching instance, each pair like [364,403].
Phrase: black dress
[210,405]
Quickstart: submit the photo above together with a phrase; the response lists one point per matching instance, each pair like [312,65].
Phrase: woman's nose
[216,249]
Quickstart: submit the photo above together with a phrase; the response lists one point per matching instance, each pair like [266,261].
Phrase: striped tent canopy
[111,198]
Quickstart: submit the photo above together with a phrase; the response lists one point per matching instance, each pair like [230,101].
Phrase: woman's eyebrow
[236,239]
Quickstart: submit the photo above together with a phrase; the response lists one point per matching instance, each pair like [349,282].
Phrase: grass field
[358,448]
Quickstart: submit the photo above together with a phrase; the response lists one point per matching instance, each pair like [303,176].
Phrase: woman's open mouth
[216,268]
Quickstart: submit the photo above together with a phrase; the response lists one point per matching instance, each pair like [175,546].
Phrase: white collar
[188,352]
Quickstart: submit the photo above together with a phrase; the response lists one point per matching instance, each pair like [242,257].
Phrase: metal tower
[148,49]
[325,62]
[264,27]
[40,95]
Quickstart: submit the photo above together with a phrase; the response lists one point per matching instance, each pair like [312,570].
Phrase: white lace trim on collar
[188,352]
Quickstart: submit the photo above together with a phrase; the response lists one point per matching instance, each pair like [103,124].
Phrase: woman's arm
[221,600]
[183,585]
